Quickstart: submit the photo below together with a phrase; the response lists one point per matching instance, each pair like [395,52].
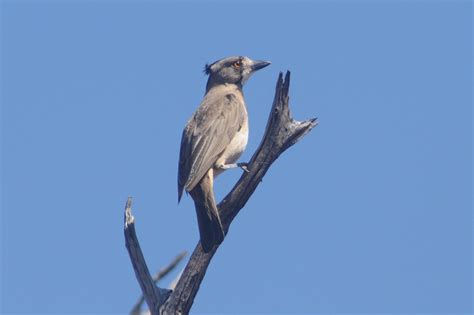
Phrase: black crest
[207,69]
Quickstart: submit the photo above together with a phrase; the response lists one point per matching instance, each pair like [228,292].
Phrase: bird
[213,140]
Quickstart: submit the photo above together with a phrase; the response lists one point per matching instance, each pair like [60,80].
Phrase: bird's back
[207,134]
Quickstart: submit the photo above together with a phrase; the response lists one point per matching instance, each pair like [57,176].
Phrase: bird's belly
[235,148]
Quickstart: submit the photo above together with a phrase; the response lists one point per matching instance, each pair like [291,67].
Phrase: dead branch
[157,277]
[280,134]
[154,296]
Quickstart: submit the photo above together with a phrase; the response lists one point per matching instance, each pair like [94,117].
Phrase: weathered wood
[154,296]
[136,310]
[280,134]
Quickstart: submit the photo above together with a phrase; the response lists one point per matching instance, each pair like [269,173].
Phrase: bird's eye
[237,65]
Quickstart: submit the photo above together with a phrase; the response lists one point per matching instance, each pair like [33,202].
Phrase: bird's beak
[259,64]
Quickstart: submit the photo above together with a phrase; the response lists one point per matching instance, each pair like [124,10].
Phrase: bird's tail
[210,226]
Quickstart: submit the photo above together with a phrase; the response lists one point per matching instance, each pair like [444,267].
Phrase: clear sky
[370,213]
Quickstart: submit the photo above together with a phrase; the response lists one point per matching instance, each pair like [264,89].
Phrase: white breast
[236,146]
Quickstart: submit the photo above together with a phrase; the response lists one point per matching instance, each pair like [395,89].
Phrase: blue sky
[370,213]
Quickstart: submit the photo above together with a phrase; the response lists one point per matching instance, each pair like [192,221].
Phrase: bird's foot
[244,166]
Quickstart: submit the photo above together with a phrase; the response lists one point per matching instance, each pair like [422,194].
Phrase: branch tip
[286,87]
[313,122]
[128,217]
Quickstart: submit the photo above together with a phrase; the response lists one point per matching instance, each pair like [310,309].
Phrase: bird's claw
[244,166]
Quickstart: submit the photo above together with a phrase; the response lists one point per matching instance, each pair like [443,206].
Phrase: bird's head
[234,70]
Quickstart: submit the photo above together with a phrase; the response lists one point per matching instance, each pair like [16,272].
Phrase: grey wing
[205,137]
[184,165]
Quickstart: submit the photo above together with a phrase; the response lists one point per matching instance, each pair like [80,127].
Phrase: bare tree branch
[154,296]
[280,134]
[157,277]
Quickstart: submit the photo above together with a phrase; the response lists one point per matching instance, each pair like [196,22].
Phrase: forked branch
[136,310]
[282,132]
[153,295]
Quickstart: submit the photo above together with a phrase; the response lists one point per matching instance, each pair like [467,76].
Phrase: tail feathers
[210,226]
